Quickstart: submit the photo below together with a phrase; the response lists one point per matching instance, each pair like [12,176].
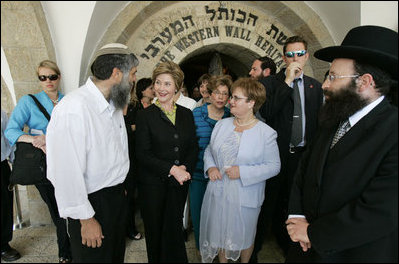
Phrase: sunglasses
[291,54]
[51,77]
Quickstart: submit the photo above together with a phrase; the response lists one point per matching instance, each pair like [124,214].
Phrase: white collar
[353,119]
[102,103]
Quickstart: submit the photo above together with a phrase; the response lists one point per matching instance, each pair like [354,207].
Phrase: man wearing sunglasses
[292,104]
[88,160]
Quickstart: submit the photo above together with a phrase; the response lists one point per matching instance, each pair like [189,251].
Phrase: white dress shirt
[187,102]
[87,149]
[301,88]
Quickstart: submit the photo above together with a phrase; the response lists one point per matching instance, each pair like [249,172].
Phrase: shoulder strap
[41,107]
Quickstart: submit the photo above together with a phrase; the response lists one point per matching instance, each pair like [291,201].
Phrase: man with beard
[262,67]
[344,200]
[287,92]
[88,160]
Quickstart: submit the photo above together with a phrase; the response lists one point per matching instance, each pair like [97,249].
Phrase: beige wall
[383,13]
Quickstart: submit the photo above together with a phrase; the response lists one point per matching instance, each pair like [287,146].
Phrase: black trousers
[289,167]
[131,187]
[263,228]
[162,208]
[6,206]
[110,209]
[274,210]
[46,191]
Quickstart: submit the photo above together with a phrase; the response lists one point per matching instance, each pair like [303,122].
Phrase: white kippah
[114,45]
[112,48]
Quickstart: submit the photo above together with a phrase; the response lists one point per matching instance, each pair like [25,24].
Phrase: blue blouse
[204,126]
[27,113]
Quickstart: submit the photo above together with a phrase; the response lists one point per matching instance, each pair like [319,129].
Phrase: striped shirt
[204,126]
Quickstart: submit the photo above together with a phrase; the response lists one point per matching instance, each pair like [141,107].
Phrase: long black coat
[349,194]
[278,112]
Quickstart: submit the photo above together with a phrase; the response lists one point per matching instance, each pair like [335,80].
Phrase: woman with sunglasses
[27,113]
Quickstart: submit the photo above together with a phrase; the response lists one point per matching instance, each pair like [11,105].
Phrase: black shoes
[253,259]
[185,234]
[64,260]
[135,236]
[10,254]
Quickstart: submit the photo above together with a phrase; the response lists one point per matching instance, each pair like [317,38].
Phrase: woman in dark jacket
[166,149]
[141,98]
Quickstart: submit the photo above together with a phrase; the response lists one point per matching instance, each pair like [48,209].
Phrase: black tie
[296,133]
[343,128]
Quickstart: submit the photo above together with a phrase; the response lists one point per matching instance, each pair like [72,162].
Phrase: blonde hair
[50,65]
[252,89]
[216,81]
[171,68]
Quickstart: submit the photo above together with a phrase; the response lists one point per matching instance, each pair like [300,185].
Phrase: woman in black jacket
[166,149]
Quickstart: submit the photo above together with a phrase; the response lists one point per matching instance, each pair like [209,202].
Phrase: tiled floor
[38,244]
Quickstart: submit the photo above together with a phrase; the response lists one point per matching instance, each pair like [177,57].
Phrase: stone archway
[158,31]
[198,62]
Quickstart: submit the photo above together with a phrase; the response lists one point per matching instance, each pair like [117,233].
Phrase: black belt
[296,149]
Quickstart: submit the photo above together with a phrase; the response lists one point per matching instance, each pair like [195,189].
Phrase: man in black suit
[278,111]
[344,200]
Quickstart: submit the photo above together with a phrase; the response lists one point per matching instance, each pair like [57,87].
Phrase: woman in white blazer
[241,156]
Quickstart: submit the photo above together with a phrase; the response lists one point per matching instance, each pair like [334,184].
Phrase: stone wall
[26,41]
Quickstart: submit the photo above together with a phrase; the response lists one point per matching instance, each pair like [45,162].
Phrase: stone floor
[38,244]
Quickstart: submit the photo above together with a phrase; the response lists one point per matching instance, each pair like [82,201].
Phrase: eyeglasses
[236,98]
[51,77]
[331,78]
[291,54]
[216,92]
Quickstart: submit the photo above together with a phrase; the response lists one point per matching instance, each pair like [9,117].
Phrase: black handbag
[29,165]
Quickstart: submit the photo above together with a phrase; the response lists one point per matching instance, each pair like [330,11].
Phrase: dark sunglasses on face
[51,77]
[291,54]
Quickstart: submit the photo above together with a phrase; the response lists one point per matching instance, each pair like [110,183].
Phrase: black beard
[341,105]
[120,93]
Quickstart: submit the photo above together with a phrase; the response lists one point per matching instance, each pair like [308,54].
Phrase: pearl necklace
[246,124]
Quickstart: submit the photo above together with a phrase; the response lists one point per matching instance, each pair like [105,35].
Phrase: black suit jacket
[279,107]
[160,144]
[349,194]
[278,112]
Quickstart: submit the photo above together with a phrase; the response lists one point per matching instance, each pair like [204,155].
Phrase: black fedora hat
[374,45]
